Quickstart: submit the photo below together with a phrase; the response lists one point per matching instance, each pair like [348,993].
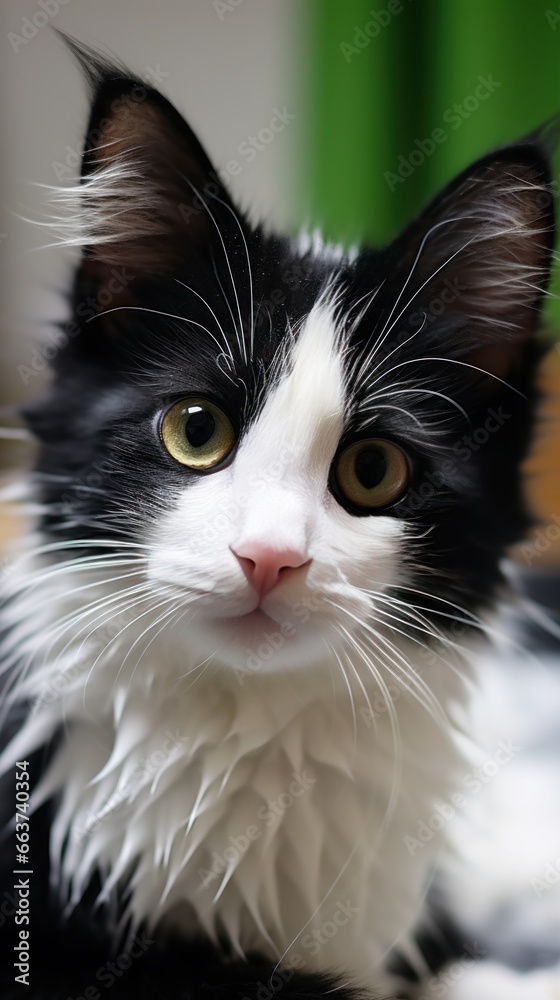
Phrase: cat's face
[306,451]
[275,564]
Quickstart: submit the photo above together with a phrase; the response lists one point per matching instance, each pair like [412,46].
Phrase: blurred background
[363,87]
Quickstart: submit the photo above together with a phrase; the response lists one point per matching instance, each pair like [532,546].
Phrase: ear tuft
[501,235]
[146,185]
[95,66]
[476,263]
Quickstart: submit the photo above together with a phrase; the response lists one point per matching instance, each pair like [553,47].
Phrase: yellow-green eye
[371,473]
[197,433]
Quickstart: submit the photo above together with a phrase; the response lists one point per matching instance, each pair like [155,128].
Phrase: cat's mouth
[254,619]
[252,626]
[255,642]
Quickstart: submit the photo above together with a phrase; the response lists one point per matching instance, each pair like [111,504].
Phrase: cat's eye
[197,433]
[370,474]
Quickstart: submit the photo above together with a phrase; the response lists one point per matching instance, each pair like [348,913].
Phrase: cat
[274,485]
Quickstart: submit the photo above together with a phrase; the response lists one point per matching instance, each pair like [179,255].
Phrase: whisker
[453,361]
[209,307]
[157,312]
[60,626]
[179,610]
[249,271]
[350,696]
[179,605]
[394,723]
[114,639]
[387,329]
[199,195]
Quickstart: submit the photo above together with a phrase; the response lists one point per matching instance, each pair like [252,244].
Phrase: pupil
[370,467]
[199,428]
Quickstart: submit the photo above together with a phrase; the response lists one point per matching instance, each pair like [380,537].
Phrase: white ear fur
[489,234]
[495,242]
[142,172]
[116,204]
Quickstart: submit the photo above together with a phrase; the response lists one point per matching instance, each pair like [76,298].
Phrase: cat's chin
[257,644]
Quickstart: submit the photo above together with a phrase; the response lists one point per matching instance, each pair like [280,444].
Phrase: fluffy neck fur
[269,805]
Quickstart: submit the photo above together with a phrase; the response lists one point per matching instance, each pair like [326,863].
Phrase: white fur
[489,981]
[93,212]
[314,243]
[506,840]
[180,730]
[501,258]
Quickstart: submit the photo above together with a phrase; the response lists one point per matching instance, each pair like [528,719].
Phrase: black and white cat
[275,483]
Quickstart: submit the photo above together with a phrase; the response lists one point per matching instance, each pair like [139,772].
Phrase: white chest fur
[275,810]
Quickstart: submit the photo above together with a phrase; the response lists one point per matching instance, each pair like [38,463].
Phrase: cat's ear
[474,266]
[149,198]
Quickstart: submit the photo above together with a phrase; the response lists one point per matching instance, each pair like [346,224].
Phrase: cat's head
[304,450]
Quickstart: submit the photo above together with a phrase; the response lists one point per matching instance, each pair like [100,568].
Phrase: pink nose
[264,566]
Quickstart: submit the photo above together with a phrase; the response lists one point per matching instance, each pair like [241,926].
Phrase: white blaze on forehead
[303,417]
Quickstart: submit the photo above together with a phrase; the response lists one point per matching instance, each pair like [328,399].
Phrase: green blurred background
[382,76]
